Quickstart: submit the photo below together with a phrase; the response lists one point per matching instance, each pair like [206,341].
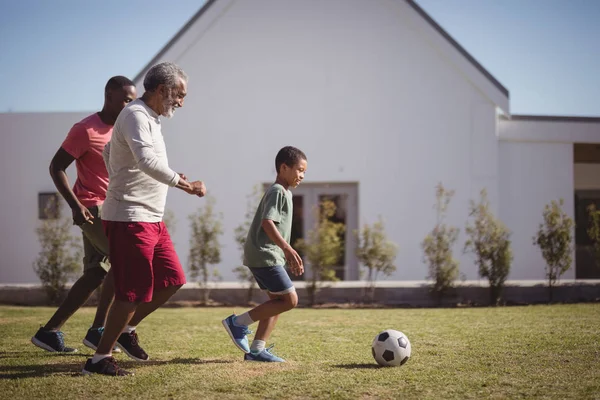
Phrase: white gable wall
[360,86]
[352,84]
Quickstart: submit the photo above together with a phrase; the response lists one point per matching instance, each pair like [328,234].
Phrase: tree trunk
[495,294]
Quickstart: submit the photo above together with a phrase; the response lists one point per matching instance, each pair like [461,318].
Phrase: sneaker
[106,366]
[128,342]
[51,341]
[264,356]
[92,339]
[237,333]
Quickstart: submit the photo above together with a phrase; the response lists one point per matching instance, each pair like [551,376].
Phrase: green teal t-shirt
[276,205]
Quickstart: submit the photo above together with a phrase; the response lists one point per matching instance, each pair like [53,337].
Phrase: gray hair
[166,73]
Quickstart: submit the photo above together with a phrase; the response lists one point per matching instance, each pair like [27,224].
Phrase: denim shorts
[273,279]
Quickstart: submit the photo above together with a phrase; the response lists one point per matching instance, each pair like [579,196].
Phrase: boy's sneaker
[237,333]
[106,366]
[92,339]
[51,341]
[264,356]
[129,343]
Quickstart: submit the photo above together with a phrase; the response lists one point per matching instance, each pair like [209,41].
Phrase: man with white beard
[146,268]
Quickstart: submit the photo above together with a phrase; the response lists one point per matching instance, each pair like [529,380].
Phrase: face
[119,98]
[294,175]
[172,98]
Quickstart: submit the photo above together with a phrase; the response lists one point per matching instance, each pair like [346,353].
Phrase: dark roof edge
[458,47]
[178,35]
[553,118]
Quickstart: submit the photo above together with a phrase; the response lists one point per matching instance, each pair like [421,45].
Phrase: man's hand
[81,215]
[294,261]
[198,188]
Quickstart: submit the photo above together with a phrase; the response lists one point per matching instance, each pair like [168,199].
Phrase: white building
[381,99]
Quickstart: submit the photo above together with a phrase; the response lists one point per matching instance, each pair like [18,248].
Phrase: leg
[168,277]
[80,292]
[132,249]
[283,297]
[265,326]
[107,296]
[159,298]
[120,315]
[49,337]
[277,305]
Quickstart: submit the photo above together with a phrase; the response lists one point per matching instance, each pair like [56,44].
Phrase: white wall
[532,175]
[354,84]
[29,141]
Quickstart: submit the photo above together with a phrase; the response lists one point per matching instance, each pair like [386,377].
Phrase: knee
[95,275]
[291,301]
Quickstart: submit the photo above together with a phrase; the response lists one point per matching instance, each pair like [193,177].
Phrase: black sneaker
[92,339]
[128,342]
[51,341]
[106,366]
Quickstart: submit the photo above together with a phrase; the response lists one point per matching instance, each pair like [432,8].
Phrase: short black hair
[289,156]
[117,82]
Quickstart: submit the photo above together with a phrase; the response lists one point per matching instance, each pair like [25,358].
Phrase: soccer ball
[391,348]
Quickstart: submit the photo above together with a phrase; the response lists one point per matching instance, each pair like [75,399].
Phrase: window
[48,205]
[585,262]
[307,197]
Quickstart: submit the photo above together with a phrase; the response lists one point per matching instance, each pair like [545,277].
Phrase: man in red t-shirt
[84,145]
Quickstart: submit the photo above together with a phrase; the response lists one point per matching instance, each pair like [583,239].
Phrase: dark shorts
[95,243]
[142,258]
[273,279]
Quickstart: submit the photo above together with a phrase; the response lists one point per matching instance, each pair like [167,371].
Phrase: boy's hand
[294,261]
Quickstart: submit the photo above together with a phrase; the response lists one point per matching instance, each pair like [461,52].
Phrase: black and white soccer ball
[391,348]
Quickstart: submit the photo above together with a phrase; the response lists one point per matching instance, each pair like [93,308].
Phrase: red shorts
[142,259]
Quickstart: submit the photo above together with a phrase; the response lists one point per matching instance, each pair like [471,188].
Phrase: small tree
[489,242]
[323,248]
[593,231]
[437,248]
[205,248]
[241,232]
[60,254]
[376,253]
[554,238]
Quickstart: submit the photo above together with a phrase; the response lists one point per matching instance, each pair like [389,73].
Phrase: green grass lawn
[513,352]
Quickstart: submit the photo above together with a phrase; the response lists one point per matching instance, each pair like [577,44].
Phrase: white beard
[169,108]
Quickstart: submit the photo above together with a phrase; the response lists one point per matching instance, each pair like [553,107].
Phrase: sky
[56,55]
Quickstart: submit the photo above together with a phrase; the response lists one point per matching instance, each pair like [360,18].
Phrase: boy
[266,251]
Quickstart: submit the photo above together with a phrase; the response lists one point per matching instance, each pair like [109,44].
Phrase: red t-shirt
[85,142]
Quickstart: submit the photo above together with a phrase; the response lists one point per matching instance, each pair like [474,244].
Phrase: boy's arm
[292,257]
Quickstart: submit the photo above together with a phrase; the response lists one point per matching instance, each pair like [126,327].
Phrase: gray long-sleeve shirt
[138,168]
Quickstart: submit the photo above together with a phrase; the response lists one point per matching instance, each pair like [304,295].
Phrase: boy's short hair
[289,156]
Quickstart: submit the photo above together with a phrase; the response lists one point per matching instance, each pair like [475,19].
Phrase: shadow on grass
[74,368]
[40,370]
[188,361]
[358,366]
[37,353]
